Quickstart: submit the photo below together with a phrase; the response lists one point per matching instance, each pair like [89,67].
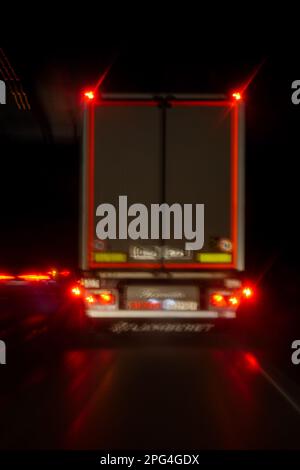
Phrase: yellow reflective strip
[110,257]
[214,257]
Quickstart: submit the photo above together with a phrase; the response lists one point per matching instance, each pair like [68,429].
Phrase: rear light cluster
[54,273]
[100,297]
[224,299]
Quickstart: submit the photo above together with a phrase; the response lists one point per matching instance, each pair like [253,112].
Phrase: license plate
[170,304]
[144,305]
[167,304]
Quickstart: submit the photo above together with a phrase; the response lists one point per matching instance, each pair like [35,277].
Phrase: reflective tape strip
[214,257]
[110,257]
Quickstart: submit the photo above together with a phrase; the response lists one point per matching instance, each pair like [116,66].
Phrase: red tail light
[233,300]
[54,273]
[106,298]
[65,273]
[102,298]
[220,300]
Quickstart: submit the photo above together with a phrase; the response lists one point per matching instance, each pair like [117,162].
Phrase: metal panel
[198,166]
[127,163]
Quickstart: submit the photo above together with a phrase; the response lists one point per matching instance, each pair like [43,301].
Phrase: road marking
[280,390]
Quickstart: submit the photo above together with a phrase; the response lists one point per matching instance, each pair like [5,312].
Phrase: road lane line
[280,390]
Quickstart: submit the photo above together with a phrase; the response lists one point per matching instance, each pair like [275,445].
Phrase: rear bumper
[165,315]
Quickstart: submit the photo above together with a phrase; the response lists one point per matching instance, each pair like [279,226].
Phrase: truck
[148,162]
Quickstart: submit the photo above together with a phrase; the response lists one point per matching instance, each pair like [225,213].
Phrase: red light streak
[34,277]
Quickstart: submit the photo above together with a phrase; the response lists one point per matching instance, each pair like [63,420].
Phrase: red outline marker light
[237,95]
[252,362]
[89,95]
[76,291]
[248,292]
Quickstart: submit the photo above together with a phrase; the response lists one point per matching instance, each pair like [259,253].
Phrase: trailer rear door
[164,151]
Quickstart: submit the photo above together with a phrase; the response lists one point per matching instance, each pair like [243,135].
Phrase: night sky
[40,148]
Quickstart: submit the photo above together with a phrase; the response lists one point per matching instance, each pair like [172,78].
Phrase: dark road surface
[141,394]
